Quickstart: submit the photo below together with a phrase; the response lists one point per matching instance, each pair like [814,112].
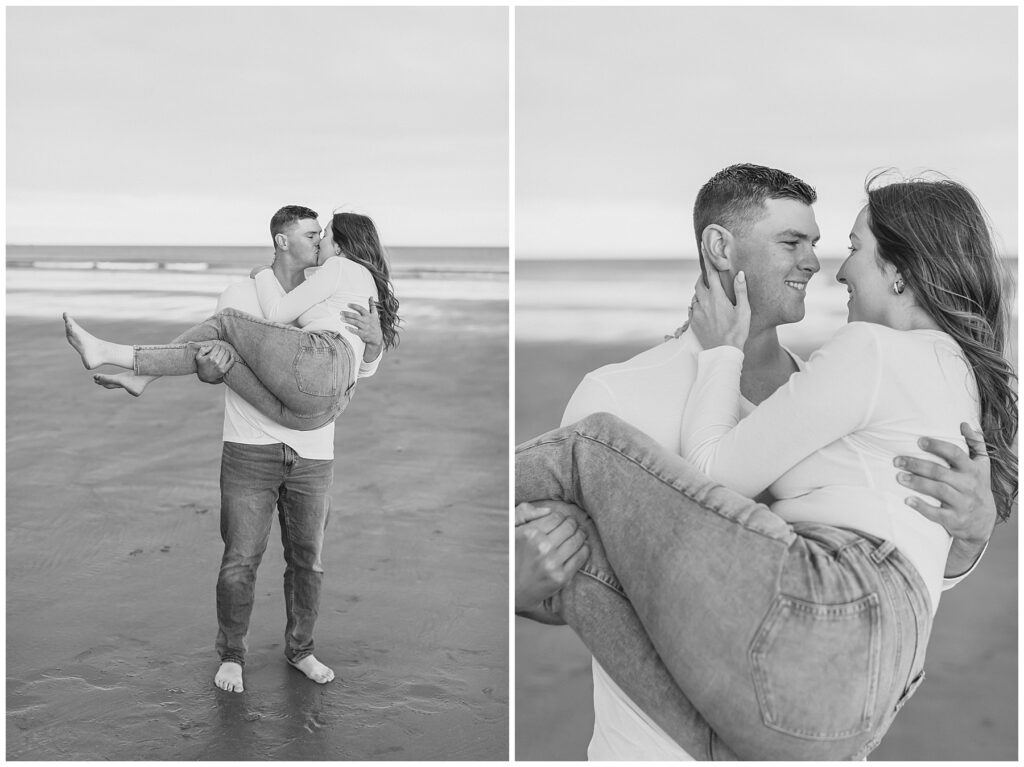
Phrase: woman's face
[327,246]
[867,277]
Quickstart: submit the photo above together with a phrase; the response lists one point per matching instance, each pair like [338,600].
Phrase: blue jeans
[791,641]
[302,380]
[253,480]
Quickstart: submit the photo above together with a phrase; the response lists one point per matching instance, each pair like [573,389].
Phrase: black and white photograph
[765,481]
[257,295]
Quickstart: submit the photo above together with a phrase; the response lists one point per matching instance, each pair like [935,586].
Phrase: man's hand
[964,491]
[365,323]
[550,548]
[212,362]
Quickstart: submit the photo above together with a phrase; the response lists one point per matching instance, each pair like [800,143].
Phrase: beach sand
[965,710]
[113,548]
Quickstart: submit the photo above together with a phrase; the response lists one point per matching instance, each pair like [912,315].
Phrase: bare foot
[86,344]
[130,382]
[314,669]
[229,677]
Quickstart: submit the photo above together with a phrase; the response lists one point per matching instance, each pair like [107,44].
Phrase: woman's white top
[317,303]
[825,441]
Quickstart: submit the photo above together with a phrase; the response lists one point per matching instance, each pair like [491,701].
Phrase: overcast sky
[191,125]
[622,114]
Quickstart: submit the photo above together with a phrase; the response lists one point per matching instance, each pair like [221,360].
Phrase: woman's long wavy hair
[357,237]
[936,234]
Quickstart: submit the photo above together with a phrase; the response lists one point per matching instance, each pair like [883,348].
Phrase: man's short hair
[287,216]
[734,197]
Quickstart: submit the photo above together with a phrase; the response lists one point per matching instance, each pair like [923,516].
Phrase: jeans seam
[254,320]
[605,580]
[681,490]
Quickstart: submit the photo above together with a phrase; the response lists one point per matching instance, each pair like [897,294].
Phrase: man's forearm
[962,557]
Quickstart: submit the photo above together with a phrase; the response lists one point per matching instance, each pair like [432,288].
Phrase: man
[757,220]
[264,465]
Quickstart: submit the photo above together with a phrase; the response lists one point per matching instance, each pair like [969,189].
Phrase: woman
[798,632]
[300,378]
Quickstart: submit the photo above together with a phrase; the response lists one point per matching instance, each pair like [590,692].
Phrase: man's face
[777,255]
[304,241]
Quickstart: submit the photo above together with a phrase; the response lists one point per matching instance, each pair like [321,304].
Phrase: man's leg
[304,508]
[250,476]
[596,607]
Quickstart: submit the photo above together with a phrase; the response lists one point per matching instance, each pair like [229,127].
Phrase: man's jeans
[253,480]
[301,380]
[791,641]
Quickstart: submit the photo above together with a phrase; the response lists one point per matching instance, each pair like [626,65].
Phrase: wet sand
[965,710]
[113,547]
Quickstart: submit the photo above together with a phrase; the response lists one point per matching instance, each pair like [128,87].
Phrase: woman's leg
[310,374]
[595,606]
[297,379]
[780,646]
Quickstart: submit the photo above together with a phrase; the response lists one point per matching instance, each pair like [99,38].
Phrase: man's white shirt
[245,424]
[648,391]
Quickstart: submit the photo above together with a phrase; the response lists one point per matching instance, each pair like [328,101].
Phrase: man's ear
[281,241]
[716,247]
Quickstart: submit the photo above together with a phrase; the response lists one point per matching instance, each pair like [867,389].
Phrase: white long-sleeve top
[824,443]
[317,303]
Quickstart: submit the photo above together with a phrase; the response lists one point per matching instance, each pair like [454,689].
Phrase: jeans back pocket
[816,667]
[316,368]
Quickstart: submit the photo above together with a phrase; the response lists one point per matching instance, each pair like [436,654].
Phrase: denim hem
[230,659]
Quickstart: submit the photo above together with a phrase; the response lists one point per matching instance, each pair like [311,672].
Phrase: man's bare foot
[130,382]
[86,344]
[229,677]
[314,669]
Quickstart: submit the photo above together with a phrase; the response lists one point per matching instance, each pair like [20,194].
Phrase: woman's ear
[716,247]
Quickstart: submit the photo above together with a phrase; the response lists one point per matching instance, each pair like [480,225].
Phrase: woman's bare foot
[130,382]
[86,344]
[229,677]
[95,351]
[314,669]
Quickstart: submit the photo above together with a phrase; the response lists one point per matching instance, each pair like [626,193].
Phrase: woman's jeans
[254,479]
[791,641]
[302,380]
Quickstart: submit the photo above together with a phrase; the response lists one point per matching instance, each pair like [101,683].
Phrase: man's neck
[766,365]
[288,274]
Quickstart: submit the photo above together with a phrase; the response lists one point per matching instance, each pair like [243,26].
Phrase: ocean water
[478,262]
[614,301]
[181,284]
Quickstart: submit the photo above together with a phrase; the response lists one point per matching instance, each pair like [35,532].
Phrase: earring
[337,251]
[898,286]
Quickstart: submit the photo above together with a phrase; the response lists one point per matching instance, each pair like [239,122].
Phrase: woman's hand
[714,319]
[365,323]
[257,269]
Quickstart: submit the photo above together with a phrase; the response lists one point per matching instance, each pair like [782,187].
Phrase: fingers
[950,453]
[929,511]
[527,512]
[373,305]
[361,310]
[941,491]
[925,468]
[577,560]
[564,532]
[739,286]
[975,441]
